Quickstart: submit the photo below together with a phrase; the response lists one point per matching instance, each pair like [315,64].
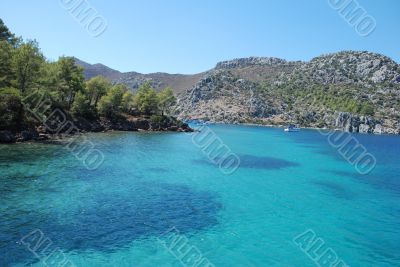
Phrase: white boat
[292,128]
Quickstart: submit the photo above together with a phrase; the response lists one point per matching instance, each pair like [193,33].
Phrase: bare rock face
[364,124]
[251,61]
[343,121]
[352,123]
[318,93]
[365,128]
[350,67]
[378,129]
[219,97]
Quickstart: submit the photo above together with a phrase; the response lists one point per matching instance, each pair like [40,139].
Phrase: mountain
[159,80]
[356,91]
[352,91]
[91,71]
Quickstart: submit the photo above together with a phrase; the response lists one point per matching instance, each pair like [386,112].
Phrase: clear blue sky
[185,36]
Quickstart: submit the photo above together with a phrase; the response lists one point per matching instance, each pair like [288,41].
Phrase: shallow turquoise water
[150,182]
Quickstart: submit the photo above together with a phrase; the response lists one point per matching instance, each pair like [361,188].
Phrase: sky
[191,36]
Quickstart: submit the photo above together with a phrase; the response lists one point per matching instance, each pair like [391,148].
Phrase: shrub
[146,100]
[11,109]
[81,107]
[367,109]
[110,104]
[163,121]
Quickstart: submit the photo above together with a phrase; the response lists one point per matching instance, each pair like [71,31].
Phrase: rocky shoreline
[131,124]
[339,121]
[283,126]
[343,121]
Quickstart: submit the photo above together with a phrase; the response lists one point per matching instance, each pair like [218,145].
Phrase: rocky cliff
[351,91]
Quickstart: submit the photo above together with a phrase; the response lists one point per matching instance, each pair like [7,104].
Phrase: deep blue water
[286,183]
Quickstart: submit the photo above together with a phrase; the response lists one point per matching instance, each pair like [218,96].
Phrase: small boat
[292,128]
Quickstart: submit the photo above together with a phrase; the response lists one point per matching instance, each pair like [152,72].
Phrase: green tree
[81,107]
[6,71]
[146,99]
[71,79]
[96,87]
[10,109]
[50,81]
[166,99]
[127,101]
[27,63]
[110,104]
[5,34]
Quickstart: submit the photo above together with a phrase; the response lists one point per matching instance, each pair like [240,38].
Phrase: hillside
[159,80]
[91,71]
[354,91]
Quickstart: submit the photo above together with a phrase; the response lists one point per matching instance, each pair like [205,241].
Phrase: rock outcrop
[351,91]
[251,61]
[7,137]
[28,135]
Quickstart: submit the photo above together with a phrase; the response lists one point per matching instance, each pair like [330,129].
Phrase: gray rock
[43,137]
[173,128]
[28,135]
[7,137]
[378,129]
[364,128]
[142,124]
[251,61]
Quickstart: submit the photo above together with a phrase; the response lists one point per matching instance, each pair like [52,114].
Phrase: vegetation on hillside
[24,72]
[346,98]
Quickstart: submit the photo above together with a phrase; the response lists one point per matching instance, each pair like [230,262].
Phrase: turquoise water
[151,182]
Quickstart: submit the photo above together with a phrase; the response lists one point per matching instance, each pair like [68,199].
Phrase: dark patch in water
[330,153]
[31,154]
[343,173]
[336,189]
[158,169]
[112,221]
[387,180]
[309,146]
[255,162]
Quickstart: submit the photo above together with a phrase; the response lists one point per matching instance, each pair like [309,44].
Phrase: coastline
[144,126]
[281,126]
[43,134]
